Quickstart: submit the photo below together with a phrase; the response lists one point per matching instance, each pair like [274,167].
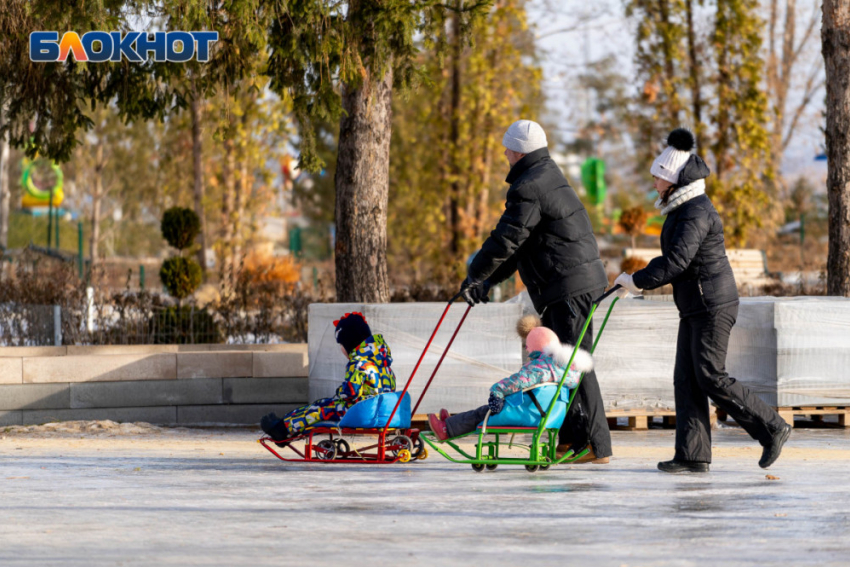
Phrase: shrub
[264,268]
[631,264]
[633,221]
[180,226]
[180,276]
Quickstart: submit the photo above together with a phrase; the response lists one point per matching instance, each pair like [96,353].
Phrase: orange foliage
[264,268]
[631,264]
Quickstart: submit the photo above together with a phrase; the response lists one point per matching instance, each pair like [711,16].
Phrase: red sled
[397,441]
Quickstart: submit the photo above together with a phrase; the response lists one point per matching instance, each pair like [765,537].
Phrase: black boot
[676,467]
[771,452]
[275,428]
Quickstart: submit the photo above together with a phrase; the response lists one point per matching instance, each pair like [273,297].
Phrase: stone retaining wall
[169,384]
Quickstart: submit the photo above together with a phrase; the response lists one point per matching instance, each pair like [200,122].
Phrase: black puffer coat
[545,233]
[693,258]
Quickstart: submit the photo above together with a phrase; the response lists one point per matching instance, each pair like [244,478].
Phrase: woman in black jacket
[694,260]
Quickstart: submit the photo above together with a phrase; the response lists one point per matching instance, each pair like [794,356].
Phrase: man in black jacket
[545,233]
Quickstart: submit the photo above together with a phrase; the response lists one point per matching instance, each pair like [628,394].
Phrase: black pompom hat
[351,330]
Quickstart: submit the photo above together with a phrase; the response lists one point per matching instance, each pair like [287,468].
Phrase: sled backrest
[374,412]
[521,410]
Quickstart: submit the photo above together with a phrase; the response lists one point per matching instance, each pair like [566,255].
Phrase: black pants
[586,422]
[701,374]
[466,422]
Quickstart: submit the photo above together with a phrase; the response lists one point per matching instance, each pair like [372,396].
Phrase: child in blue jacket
[547,361]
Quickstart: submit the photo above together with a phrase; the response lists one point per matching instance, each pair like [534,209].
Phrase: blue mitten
[495,403]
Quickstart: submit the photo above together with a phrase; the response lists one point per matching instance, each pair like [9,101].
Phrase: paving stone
[265,390]
[101,368]
[232,414]
[214,364]
[280,364]
[146,393]
[35,396]
[164,415]
[11,371]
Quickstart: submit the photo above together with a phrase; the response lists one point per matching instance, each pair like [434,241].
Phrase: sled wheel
[492,467]
[423,454]
[326,450]
[400,443]
[478,468]
[418,448]
[404,456]
[342,448]
[544,467]
[532,468]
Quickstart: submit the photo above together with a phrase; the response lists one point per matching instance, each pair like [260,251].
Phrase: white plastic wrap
[790,351]
[813,351]
[486,350]
[636,353]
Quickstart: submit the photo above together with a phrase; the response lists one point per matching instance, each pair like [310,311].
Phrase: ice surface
[216,498]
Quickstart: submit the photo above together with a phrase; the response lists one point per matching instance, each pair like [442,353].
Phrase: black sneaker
[678,467]
[771,452]
[275,428]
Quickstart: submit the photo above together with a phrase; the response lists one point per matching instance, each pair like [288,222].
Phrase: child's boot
[275,428]
[438,426]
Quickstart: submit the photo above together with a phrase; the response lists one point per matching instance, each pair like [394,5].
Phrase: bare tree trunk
[362,188]
[675,105]
[228,204]
[241,198]
[696,86]
[4,185]
[97,203]
[454,132]
[835,35]
[242,190]
[199,176]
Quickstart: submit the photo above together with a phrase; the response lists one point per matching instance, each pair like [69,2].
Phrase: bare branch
[809,91]
[807,34]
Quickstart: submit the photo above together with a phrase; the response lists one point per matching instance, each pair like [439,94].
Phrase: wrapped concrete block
[486,350]
[636,353]
[813,351]
[752,347]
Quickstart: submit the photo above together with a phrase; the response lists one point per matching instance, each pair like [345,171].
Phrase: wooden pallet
[816,413]
[639,419]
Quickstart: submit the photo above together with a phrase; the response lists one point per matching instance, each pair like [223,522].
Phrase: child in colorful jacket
[547,361]
[367,374]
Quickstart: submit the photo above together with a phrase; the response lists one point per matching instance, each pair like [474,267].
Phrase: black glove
[475,292]
[495,403]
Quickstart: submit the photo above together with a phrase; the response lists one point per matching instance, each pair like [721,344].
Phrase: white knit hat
[680,144]
[524,136]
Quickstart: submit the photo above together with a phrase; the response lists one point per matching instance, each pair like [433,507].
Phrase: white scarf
[681,196]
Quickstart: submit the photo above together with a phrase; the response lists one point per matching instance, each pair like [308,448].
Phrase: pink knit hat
[539,338]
